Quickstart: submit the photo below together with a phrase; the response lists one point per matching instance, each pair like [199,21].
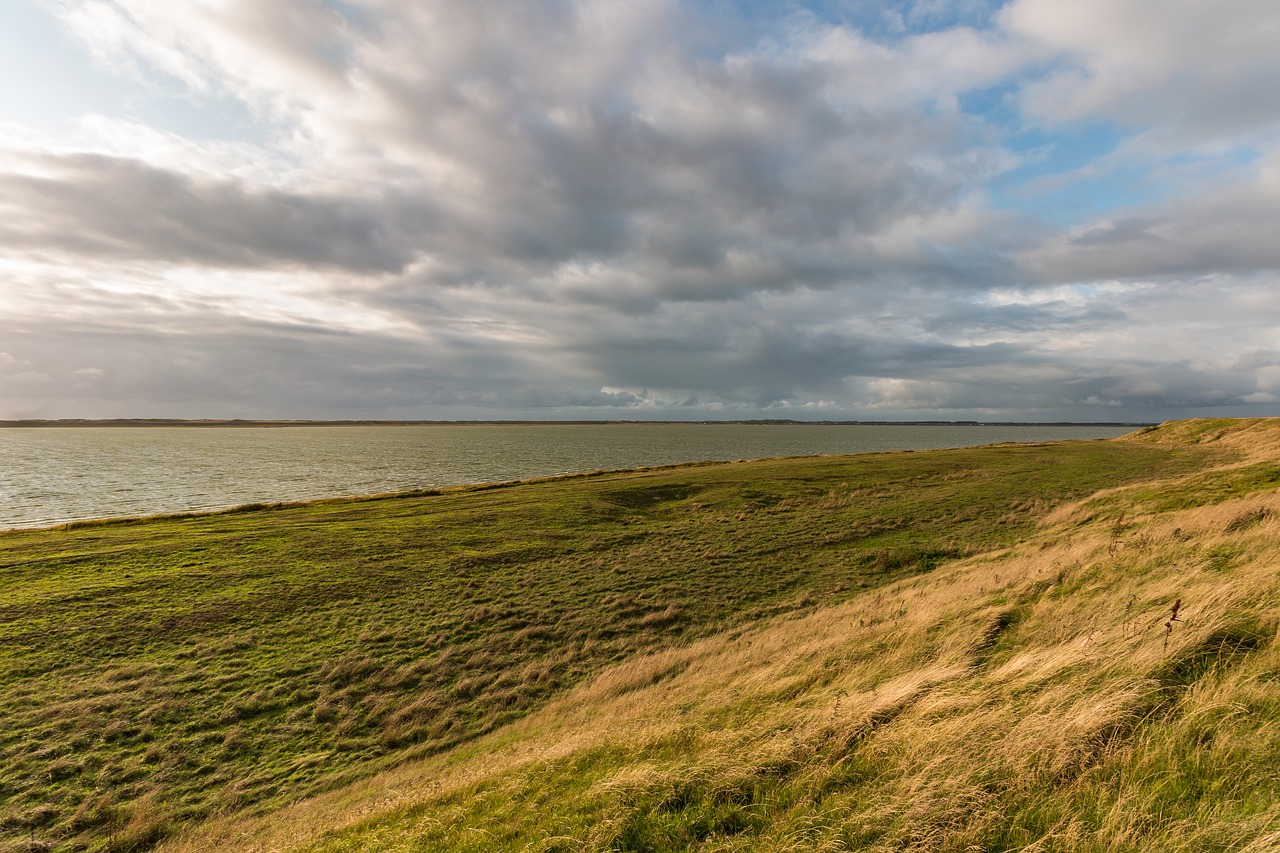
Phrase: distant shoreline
[36,423]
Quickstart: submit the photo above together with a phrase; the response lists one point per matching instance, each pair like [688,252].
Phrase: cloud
[1210,229]
[120,207]
[514,140]
[1195,71]
[571,206]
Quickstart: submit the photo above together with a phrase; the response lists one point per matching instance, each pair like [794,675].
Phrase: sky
[1028,210]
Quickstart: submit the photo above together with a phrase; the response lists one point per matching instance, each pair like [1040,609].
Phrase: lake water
[53,475]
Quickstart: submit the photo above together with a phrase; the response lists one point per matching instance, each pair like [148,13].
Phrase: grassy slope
[153,673]
[1032,698]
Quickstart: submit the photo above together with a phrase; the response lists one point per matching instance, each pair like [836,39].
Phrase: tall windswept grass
[1091,689]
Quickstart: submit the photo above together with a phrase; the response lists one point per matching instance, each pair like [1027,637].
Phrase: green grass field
[161,674]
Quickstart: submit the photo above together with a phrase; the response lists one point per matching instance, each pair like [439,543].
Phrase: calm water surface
[49,476]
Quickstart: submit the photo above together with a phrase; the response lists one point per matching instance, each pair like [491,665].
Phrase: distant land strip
[30,423]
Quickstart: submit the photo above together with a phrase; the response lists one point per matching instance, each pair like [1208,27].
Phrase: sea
[55,475]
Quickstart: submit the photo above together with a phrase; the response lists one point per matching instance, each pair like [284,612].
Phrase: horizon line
[288,422]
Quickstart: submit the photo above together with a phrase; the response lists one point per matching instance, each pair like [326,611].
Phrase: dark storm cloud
[253,368]
[1220,230]
[751,358]
[98,206]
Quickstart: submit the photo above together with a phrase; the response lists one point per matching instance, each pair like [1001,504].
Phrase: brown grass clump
[659,618]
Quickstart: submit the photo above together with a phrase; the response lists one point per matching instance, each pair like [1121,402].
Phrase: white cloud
[1195,70]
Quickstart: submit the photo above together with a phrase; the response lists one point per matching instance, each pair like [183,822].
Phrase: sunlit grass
[1031,699]
[154,674]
